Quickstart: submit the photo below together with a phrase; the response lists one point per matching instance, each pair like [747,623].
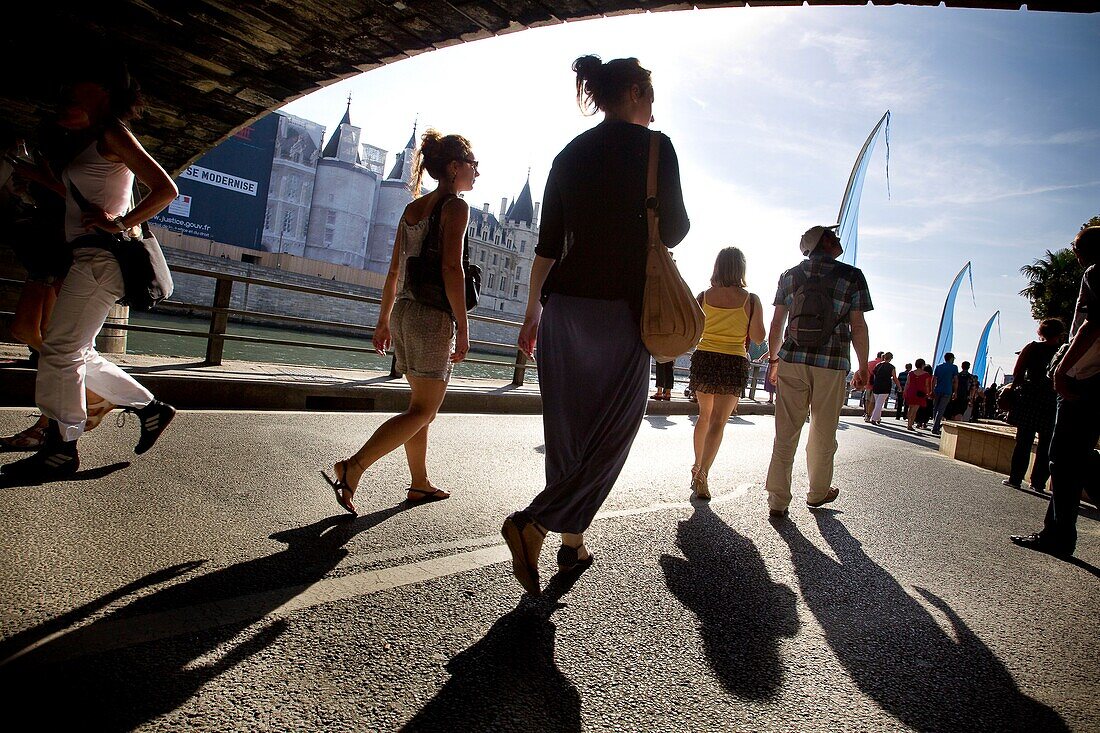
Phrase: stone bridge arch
[208,67]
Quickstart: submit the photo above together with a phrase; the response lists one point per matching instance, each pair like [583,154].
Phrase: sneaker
[1037,542]
[1010,483]
[830,497]
[154,419]
[55,461]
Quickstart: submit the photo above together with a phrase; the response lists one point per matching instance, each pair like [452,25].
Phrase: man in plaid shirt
[812,379]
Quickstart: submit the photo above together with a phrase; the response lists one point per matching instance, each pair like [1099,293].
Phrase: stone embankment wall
[196,289]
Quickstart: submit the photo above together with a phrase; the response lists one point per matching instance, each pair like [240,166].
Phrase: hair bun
[588,66]
[430,143]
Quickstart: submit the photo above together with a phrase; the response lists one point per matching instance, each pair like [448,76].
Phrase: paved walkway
[213,585]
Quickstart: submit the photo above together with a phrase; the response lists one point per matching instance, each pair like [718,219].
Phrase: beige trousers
[804,390]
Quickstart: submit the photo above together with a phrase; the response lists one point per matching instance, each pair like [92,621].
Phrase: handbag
[424,272]
[672,321]
[145,272]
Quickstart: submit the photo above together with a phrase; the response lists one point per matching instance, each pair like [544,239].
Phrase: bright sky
[994,155]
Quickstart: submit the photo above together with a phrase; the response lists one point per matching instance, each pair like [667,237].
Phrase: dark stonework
[209,67]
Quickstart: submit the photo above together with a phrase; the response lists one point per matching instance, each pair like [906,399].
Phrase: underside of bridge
[208,67]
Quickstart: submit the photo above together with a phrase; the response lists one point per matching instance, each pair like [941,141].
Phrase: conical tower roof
[398,170]
[332,149]
[523,210]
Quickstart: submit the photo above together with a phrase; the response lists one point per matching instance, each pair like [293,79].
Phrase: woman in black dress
[1036,404]
[584,308]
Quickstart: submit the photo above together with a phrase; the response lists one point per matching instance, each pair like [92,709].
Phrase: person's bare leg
[723,406]
[706,404]
[912,415]
[32,313]
[416,453]
[427,396]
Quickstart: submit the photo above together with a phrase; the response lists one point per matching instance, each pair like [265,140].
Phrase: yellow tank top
[725,329]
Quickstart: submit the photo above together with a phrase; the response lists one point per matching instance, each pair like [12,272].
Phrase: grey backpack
[812,318]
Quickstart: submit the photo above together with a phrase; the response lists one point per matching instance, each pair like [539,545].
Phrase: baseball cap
[812,238]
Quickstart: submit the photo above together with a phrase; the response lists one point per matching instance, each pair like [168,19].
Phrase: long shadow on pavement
[901,433]
[742,613]
[894,649]
[84,474]
[109,684]
[509,680]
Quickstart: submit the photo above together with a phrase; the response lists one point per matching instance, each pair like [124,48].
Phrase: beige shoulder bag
[672,321]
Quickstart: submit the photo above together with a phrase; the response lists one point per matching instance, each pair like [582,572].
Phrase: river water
[188,346]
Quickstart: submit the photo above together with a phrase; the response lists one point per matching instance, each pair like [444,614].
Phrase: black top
[883,378]
[594,217]
[1036,359]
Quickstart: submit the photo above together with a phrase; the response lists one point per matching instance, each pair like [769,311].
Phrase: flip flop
[526,571]
[341,486]
[427,495]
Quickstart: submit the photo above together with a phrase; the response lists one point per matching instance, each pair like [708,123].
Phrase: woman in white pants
[882,377]
[98,193]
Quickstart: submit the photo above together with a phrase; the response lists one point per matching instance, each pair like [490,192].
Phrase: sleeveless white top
[106,184]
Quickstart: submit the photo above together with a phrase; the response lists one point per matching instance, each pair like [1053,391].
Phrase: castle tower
[394,194]
[505,251]
[344,194]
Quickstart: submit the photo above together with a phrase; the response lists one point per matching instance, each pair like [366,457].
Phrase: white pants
[880,402]
[69,362]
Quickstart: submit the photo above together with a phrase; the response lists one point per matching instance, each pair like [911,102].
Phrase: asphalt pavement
[213,584]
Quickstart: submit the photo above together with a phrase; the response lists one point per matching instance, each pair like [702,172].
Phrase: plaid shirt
[849,291]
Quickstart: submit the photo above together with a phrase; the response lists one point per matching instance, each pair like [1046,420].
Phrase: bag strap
[651,201]
[431,238]
[88,208]
[84,204]
[431,245]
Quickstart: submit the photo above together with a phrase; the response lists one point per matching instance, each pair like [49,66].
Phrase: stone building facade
[337,204]
[290,195]
[504,247]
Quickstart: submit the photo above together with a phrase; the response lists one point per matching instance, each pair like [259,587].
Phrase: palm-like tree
[1053,283]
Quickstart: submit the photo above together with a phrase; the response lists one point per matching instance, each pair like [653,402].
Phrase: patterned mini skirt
[715,373]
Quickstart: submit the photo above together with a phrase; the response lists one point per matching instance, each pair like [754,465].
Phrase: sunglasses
[472,163]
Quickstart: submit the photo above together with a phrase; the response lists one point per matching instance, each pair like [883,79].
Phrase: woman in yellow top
[720,366]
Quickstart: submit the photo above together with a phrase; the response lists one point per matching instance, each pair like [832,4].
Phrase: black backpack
[812,315]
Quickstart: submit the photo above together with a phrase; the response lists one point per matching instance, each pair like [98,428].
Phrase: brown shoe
[517,532]
[699,486]
[831,496]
